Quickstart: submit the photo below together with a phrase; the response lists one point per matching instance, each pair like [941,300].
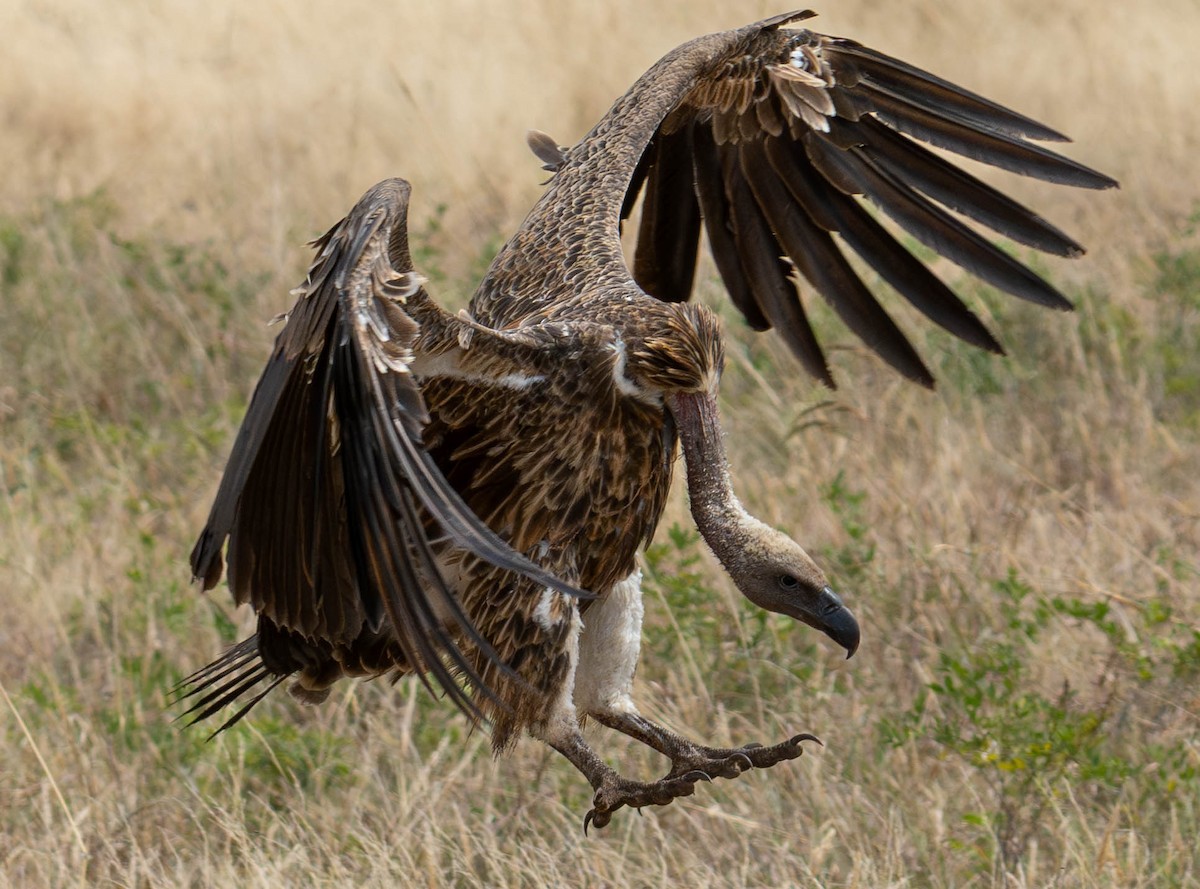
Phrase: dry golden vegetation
[1021,546]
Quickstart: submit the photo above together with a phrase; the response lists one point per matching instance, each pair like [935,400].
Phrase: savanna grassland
[1021,546]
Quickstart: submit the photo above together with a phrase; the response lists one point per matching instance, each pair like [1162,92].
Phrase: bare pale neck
[714,506]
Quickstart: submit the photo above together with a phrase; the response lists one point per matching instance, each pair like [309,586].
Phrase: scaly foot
[729,762]
[687,756]
[615,792]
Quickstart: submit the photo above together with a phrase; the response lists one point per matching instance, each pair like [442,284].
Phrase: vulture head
[774,572]
[768,567]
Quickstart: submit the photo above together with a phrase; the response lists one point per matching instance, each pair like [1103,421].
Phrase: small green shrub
[985,708]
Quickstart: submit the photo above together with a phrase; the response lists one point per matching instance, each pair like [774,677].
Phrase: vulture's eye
[787,582]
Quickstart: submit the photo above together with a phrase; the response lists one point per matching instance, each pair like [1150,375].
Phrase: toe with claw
[617,792]
[765,757]
[722,762]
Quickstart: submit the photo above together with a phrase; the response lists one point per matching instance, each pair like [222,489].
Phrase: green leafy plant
[985,708]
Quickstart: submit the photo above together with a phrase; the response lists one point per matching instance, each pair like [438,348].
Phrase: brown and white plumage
[464,497]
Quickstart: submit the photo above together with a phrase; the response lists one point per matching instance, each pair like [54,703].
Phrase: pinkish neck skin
[714,506]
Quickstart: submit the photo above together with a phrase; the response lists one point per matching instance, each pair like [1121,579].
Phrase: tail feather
[235,659]
[224,681]
[247,707]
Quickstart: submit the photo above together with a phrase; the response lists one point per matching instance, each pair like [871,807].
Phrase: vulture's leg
[560,729]
[608,654]
[612,790]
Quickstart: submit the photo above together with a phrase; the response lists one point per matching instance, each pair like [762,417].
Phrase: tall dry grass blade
[58,794]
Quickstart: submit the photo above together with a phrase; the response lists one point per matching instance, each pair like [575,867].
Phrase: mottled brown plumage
[464,497]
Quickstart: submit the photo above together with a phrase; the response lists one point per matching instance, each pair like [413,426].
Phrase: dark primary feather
[930,224]
[959,190]
[934,93]
[669,236]
[767,273]
[818,259]
[721,232]
[818,124]
[834,211]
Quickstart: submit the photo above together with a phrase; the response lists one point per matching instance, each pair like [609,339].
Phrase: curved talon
[690,763]
[599,819]
[732,766]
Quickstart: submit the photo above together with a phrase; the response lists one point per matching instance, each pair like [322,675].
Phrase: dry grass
[164,164]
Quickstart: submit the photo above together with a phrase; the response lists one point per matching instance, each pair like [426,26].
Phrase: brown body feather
[582,507]
[413,491]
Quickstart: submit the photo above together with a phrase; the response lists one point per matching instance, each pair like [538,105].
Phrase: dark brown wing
[773,148]
[326,494]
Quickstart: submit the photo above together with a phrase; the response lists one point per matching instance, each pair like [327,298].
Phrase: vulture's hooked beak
[834,619]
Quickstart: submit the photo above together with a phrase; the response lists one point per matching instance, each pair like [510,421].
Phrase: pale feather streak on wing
[819,125]
[328,489]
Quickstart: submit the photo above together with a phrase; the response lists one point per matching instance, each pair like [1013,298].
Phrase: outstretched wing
[328,489]
[771,149]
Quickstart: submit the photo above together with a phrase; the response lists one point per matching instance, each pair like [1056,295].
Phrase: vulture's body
[464,497]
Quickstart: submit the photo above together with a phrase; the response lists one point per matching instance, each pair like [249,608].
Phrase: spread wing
[771,151]
[329,499]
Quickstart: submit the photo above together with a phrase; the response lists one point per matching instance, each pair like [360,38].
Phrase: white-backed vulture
[463,497]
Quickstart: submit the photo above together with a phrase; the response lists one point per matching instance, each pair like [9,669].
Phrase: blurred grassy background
[1021,546]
